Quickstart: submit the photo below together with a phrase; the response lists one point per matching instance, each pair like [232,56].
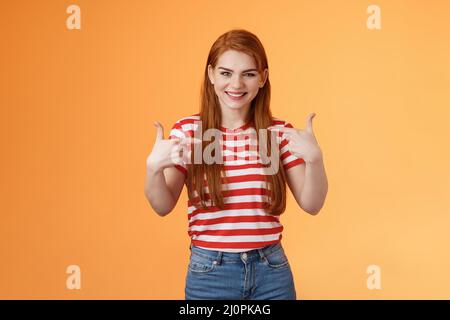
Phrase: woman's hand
[167,152]
[302,143]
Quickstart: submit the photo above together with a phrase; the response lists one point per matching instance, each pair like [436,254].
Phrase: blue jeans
[260,274]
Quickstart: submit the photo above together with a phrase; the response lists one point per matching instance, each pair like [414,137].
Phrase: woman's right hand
[167,152]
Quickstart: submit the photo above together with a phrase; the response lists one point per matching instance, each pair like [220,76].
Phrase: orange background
[77,112]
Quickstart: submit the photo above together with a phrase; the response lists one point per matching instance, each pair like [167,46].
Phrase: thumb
[309,126]
[159,131]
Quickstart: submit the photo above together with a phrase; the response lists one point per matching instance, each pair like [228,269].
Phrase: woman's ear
[210,74]
[264,77]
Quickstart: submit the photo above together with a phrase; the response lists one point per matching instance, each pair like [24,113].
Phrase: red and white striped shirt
[243,224]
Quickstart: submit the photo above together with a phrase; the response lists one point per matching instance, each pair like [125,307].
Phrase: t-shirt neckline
[243,127]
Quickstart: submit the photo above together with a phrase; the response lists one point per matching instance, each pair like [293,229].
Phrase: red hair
[210,115]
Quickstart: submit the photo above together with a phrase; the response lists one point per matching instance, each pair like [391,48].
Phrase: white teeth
[235,95]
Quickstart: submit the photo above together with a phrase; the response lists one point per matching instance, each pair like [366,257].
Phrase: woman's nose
[236,82]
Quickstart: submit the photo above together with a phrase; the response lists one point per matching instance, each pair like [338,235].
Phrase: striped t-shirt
[243,224]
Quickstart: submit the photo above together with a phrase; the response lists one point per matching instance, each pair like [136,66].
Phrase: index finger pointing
[282,129]
[190,140]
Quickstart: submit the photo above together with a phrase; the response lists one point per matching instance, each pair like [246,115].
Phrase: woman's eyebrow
[242,71]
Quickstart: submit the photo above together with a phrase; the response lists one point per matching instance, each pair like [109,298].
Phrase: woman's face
[236,73]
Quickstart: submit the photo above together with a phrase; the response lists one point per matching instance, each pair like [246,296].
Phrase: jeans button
[244,256]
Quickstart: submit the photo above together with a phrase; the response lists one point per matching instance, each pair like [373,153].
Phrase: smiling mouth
[236,95]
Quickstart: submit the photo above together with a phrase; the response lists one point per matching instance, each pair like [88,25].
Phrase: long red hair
[210,116]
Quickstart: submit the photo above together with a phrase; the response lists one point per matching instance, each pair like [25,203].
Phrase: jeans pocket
[200,264]
[276,259]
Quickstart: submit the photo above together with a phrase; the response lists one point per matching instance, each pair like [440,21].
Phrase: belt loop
[219,257]
[261,253]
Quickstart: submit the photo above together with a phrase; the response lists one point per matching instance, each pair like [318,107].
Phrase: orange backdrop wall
[77,112]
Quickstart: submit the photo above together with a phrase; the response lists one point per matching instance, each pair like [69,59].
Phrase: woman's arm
[309,185]
[163,189]
[315,188]
[308,181]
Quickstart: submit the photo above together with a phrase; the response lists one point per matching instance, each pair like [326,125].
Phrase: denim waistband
[236,256]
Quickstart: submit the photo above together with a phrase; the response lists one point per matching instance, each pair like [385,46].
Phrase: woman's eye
[225,73]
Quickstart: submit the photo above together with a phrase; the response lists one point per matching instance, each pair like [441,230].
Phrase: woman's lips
[235,97]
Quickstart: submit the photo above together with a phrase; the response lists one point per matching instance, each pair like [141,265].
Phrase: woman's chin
[236,105]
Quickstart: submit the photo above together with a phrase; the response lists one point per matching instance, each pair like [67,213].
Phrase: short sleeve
[177,132]
[287,159]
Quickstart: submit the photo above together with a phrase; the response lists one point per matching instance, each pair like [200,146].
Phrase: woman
[235,200]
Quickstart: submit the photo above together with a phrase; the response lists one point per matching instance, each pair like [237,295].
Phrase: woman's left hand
[302,143]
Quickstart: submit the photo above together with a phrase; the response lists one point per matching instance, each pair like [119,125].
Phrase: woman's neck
[235,118]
